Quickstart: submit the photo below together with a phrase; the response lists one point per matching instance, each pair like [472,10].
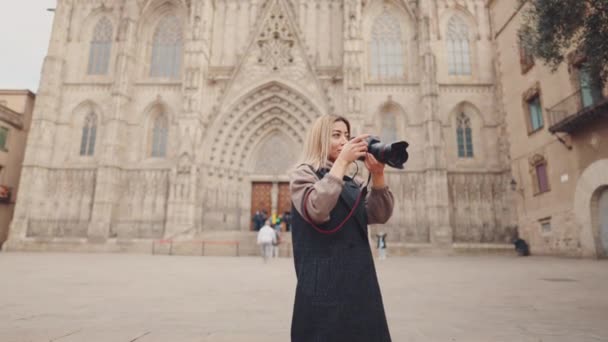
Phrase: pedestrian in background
[381,245]
[266,238]
[275,245]
[258,220]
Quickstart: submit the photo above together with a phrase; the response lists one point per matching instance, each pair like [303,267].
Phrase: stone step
[219,243]
[235,243]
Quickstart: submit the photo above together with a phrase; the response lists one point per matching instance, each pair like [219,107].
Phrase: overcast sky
[25,29]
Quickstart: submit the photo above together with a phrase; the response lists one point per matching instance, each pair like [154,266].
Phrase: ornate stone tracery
[276,40]
[274,105]
[275,154]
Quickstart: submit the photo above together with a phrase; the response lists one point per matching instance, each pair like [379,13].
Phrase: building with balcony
[557,124]
[16,108]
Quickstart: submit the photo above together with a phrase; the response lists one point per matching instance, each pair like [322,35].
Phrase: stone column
[314,31]
[221,27]
[253,13]
[336,32]
[508,209]
[182,206]
[324,41]
[112,155]
[243,30]
[41,139]
[231,33]
[353,57]
[274,198]
[302,18]
[437,194]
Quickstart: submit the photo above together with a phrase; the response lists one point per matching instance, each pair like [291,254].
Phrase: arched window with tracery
[89,135]
[160,130]
[167,48]
[101,46]
[458,47]
[388,127]
[386,48]
[464,136]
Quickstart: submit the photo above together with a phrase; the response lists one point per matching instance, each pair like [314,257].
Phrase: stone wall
[62,203]
[480,209]
[141,208]
[409,222]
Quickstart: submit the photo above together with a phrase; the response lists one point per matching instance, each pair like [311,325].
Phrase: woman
[337,294]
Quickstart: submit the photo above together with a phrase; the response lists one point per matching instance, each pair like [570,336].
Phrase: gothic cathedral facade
[165,118]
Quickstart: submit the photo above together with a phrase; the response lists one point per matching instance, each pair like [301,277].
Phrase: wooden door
[284,203]
[260,199]
[603,219]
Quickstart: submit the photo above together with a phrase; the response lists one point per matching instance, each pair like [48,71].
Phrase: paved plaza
[144,298]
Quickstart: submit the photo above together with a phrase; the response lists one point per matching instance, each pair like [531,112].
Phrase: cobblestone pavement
[115,298]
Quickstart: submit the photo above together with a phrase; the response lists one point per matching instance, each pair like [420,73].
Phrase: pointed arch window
[89,135]
[159,136]
[101,46]
[386,48]
[388,127]
[538,170]
[464,136]
[459,53]
[167,48]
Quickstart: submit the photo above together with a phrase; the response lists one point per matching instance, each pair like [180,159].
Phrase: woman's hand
[373,165]
[353,149]
[376,169]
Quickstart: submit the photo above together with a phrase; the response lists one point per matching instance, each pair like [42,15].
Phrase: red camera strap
[352,210]
[338,227]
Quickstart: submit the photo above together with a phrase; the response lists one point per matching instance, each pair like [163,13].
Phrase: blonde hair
[318,141]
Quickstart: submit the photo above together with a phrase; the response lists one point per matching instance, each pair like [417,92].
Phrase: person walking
[266,238]
[277,243]
[381,245]
[338,297]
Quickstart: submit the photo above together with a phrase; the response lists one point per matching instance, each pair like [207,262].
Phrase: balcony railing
[575,110]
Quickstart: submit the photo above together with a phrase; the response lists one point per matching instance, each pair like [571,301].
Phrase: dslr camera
[393,154]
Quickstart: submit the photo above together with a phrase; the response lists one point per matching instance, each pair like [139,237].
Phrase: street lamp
[514,187]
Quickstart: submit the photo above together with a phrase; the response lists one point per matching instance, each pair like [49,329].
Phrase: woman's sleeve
[379,205]
[312,197]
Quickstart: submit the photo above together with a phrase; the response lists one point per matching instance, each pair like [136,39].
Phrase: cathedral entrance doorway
[273,197]
[260,199]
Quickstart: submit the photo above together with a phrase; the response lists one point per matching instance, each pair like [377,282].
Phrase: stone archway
[271,161]
[259,138]
[242,127]
[586,197]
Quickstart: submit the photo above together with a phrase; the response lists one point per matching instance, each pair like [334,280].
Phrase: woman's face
[339,136]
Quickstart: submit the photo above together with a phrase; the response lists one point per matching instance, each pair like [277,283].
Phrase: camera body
[393,154]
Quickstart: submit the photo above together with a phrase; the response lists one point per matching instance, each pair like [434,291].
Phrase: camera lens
[393,155]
